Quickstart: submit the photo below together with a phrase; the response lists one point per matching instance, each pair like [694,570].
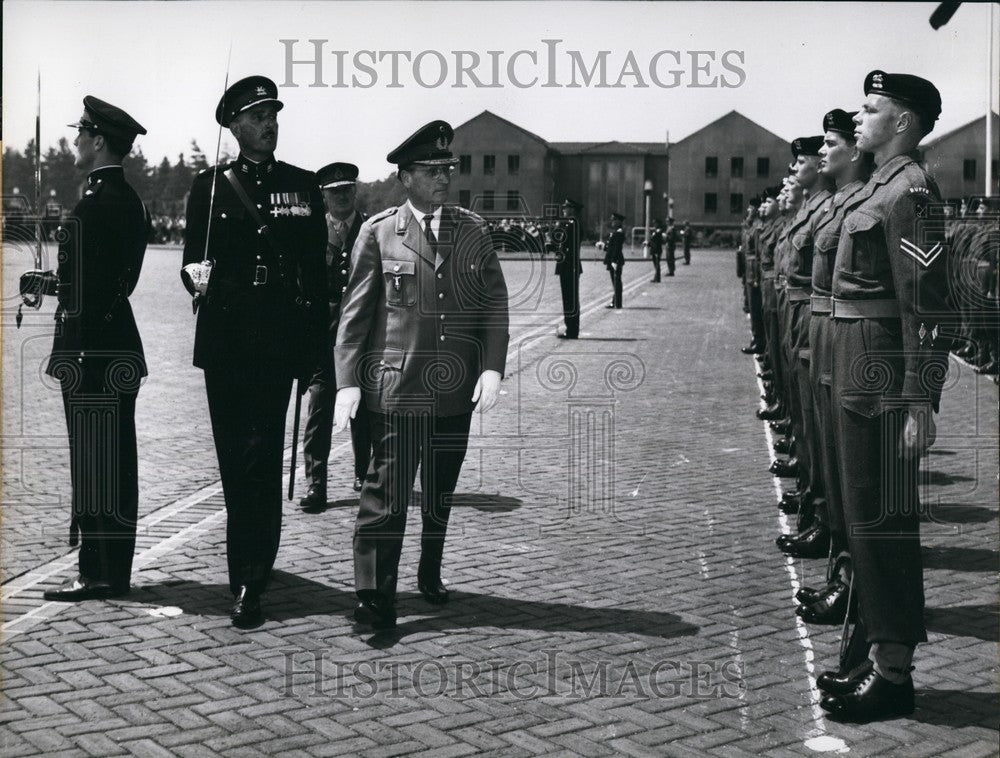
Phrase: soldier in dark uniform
[97,354]
[889,364]
[566,239]
[686,234]
[262,321]
[751,279]
[656,248]
[614,258]
[343,222]
[422,340]
[670,235]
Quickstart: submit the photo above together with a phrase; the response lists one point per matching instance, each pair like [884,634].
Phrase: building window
[736,168]
[763,167]
[513,164]
[488,200]
[711,166]
[465,164]
[736,202]
[513,200]
[489,165]
[711,202]
[464,198]
[969,170]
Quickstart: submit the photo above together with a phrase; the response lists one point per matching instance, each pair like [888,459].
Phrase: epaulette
[93,191]
[470,214]
[388,212]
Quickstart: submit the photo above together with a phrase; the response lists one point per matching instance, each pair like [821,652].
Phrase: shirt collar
[109,170]
[347,224]
[892,165]
[435,221]
[254,168]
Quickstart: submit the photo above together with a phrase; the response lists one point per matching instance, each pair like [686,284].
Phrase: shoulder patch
[920,191]
[381,215]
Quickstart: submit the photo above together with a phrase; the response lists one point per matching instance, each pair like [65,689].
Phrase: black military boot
[429,573]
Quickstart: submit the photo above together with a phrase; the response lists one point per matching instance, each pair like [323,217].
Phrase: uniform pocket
[867,243]
[400,282]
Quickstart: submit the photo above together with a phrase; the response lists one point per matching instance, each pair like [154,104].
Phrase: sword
[34,300]
[295,438]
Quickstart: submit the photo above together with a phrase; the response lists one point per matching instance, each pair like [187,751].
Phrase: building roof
[613,147]
[511,124]
[947,135]
[733,114]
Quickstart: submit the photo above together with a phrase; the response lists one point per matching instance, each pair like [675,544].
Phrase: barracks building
[955,159]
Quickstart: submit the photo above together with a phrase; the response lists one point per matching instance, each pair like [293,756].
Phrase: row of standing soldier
[846,283]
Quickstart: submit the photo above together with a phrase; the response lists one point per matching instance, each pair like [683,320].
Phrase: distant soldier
[97,354]
[262,321]
[656,248]
[686,234]
[566,238]
[670,235]
[614,258]
[343,222]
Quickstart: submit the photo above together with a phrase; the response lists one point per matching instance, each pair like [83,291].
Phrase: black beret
[806,145]
[755,201]
[916,92]
[428,146]
[840,121]
[617,215]
[246,93]
[772,192]
[108,119]
[337,175]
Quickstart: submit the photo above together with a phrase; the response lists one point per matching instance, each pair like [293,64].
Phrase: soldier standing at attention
[687,233]
[671,237]
[343,222]
[568,269]
[97,353]
[889,365]
[262,321]
[656,249]
[422,341]
[614,258]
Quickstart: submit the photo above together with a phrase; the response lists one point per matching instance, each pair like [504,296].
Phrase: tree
[381,194]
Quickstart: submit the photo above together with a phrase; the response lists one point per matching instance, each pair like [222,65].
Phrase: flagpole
[990,41]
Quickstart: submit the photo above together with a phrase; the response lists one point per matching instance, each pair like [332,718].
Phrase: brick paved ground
[616,587]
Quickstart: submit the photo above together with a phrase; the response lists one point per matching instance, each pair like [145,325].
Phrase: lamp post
[647,191]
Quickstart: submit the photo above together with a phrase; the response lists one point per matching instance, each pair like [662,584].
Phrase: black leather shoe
[813,543]
[375,611]
[873,699]
[766,375]
[315,498]
[771,413]
[357,484]
[566,336]
[433,590]
[246,613]
[83,589]
[785,469]
[781,426]
[829,608]
[610,305]
[835,683]
[784,445]
[750,349]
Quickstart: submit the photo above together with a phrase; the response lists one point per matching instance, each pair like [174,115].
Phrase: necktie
[429,232]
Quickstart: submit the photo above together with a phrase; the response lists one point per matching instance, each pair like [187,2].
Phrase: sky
[781,64]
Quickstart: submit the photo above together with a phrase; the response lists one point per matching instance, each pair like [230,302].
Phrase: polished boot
[429,572]
[246,613]
[766,375]
[781,426]
[357,484]
[829,608]
[813,543]
[751,349]
[784,445]
[771,413]
[785,469]
[836,683]
[315,498]
[375,610]
[84,589]
[793,501]
[873,699]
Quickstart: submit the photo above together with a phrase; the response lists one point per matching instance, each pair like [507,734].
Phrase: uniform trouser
[656,265]
[616,283]
[104,475]
[769,310]
[687,254]
[820,367]
[247,406]
[671,259]
[402,442]
[756,315]
[812,479]
[878,486]
[569,287]
[316,438]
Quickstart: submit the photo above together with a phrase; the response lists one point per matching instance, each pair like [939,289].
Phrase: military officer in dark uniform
[422,340]
[614,258]
[889,364]
[687,233]
[97,354]
[343,221]
[566,238]
[670,235]
[656,249]
[262,321]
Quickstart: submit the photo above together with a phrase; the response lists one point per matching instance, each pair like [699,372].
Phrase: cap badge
[261,91]
[442,143]
[877,82]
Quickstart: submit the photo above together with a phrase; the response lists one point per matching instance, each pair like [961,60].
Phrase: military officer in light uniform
[343,221]
[422,342]
[889,365]
[262,321]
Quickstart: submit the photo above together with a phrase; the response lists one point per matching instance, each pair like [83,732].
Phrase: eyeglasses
[435,171]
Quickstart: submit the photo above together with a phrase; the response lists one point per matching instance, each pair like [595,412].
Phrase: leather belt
[797,294]
[822,304]
[883,308]
[767,273]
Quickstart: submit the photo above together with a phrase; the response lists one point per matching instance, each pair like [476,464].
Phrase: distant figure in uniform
[686,234]
[889,364]
[671,237]
[422,341]
[343,222]
[97,353]
[656,248]
[614,258]
[566,238]
[262,323]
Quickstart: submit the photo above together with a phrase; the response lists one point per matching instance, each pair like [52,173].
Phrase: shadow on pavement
[973,559]
[957,708]
[980,621]
[953,513]
[468,610]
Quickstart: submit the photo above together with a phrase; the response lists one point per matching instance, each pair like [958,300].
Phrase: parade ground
[615,586]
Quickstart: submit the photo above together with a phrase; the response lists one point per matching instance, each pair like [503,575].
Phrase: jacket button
[381,363]
[440,296]
[442,338]
[222,215]
[343,270]
[440,276]
[442,317]
[343,289]
[343,254]
[396,268]
[259,205]
[260,258]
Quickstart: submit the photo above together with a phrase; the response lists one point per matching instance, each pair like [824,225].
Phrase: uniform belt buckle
[260,276]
